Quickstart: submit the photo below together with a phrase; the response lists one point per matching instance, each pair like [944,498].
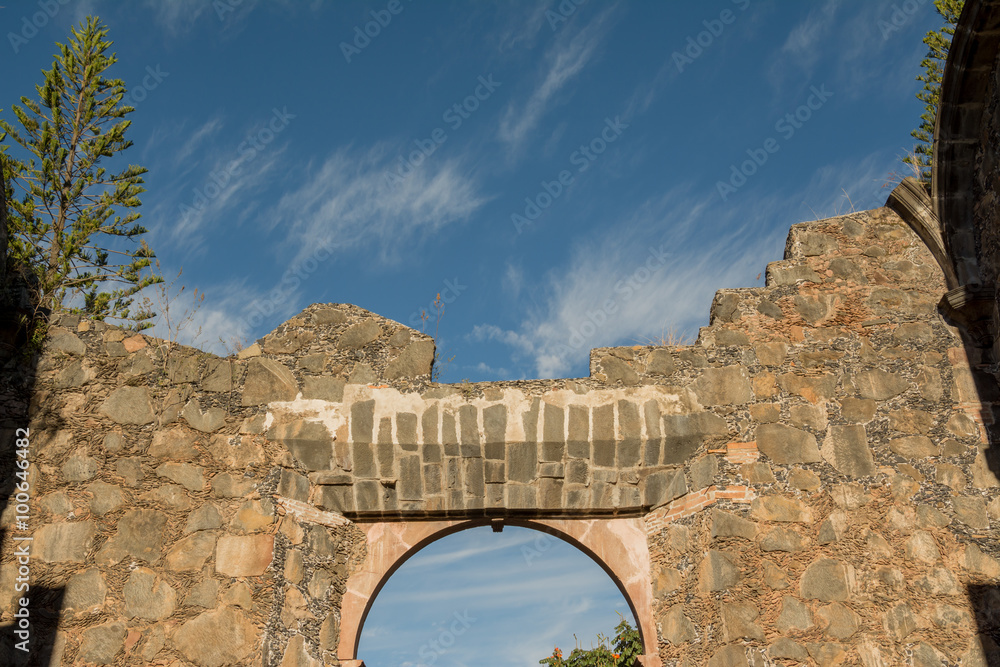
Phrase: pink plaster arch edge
[618,545]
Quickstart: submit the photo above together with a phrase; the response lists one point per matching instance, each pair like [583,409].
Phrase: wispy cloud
[349,201]
[562,63]
[659,268]
[802,43]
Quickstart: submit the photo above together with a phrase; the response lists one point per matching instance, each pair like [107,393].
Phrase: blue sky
[551,169]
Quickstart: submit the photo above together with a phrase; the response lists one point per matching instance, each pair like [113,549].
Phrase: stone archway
[617,545]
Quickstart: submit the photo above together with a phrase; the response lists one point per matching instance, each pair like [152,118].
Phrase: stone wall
[813,473]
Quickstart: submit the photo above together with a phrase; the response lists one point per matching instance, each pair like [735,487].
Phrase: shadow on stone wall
[984,600]
[17,382]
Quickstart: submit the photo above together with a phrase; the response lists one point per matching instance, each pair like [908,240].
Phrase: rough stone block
[660,362]
[784,444]
[67,541]
[718,571]
[189,476]
[522,461]
[362,421]
[879,385]
[415,360]
[846,449]
[617,370]
[268,381]
[468,417]
[214,638]
[685,434]
[725,524]
[410,485]
[530,420]
[814,389]
[827,580]
[780,538]
[738,621]
[495,424]
[675,626]
[244,555]
[794,616]
[914,447]
[129,405]
[309,442]
[723,386]
[780,508]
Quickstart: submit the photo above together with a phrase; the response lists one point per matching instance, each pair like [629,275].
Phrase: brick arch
[617,545]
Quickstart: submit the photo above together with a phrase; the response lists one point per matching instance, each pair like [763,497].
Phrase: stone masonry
[812,475]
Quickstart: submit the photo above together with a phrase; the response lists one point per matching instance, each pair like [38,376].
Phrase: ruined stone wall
[812,473]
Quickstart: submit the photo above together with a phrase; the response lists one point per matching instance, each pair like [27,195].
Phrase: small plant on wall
[622,652]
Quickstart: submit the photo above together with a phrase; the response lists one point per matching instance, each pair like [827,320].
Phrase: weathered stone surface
[268,381]
[415,360]
[780,508]
[243,555]
[738,621]
[971,511]
[733,655]
[718,571]
[703,471]
[309,442]
[228,485]
[812,388]
[217,638]
[827,580]
[775,577]
[203,594]
[177,444]
[838,620]
[85,591]
[104,497]
[139,534]
[358,335]
[191,552]
[723,386]
[899,621]
[660,362]
[99,644]
[205,421]
[921,547]
[296,654]
[925,655]
[788,649]
[981,563]
[794,616]
[879,385]
[79,467]
[63,340]
[858,410]
[148,596]
[846,449]
[783,539]
[129,405]
[323,387]
[804,480]
[189,476]
[661,487]
[617,370]
[725,524]
[784,444]
[66,541]
[675,626]
[685,434]
[913,447]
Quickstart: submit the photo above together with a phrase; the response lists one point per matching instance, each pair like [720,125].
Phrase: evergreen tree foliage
[71,221]
[938,43]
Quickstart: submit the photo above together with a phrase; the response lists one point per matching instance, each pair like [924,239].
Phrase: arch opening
[617,546]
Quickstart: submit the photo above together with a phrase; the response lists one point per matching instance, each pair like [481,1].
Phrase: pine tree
[74,223]
[938,43]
